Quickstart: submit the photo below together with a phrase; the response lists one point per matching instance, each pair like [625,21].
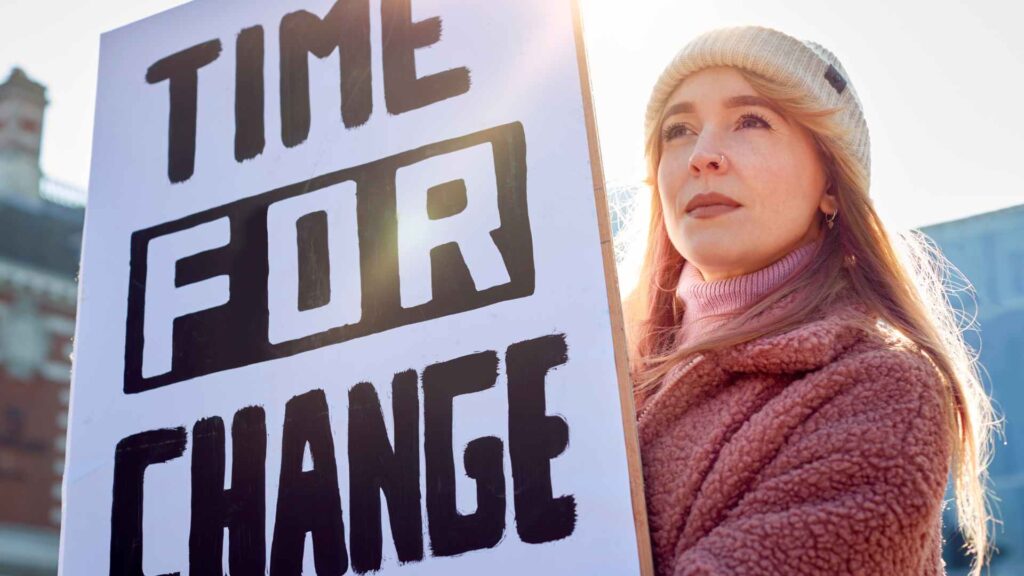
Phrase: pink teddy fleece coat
[822,450]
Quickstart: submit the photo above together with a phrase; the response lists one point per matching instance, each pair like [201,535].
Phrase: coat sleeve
[857,488]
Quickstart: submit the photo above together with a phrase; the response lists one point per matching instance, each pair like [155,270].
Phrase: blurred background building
[989,251]
[40,241]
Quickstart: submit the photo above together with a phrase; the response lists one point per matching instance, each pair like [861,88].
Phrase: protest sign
[347,299]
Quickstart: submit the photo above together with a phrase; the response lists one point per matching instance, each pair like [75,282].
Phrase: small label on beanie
[835,79]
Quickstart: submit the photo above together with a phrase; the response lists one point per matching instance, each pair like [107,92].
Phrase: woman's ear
[829,204]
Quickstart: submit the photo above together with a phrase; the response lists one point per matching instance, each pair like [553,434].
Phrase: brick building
[40,241]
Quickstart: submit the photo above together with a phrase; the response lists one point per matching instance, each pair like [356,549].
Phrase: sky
[940,82]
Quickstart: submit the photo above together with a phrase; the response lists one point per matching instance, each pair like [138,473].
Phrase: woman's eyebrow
[751,100]
[678,108]
[731,102]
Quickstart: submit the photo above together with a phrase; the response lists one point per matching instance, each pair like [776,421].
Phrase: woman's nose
[707,159]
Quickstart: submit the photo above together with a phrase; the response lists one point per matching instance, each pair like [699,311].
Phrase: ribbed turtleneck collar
[704,300]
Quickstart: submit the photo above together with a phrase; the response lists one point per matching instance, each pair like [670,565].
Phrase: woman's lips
[703,212]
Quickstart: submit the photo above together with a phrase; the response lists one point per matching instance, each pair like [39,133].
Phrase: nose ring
[719,163]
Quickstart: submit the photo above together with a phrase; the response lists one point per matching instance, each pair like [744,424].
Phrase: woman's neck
[708,303]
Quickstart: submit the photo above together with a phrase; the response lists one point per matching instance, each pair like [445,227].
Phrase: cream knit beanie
[776,56]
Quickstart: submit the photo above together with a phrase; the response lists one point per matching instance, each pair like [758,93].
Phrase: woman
[802,391]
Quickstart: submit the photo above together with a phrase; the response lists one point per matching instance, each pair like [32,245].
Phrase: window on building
[14,423]
[28,125]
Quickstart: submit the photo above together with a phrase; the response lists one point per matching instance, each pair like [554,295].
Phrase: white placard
[344,304]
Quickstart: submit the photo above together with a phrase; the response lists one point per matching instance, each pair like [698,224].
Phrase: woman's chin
[712,244]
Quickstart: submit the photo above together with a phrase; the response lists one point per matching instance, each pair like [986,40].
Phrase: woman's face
[719,136]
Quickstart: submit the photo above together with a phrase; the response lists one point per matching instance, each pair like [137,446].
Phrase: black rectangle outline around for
[235,334]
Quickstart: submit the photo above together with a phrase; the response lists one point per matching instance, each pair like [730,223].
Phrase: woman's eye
[752,120]
[674,131]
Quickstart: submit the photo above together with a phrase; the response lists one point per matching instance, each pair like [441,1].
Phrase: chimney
[22,102]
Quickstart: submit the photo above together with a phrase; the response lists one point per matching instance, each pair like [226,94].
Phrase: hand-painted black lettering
[534,438]
[308,500]
[236,333]
[250,137]
[131,458]
[347,28]
[314,262]
[198,267]
[446,199]
[181,70]
[403,91]
[241,509]
[452,533]
[449,274]
[375,467]
[484,462]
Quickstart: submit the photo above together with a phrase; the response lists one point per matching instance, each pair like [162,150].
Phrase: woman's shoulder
[867,371]
[864,390]
[883,358]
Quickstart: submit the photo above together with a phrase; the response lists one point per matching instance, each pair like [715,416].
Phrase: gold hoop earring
[830,219]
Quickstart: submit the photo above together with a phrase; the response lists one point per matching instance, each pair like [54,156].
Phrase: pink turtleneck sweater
[708,304]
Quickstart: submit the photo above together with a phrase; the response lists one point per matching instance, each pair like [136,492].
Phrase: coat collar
[805,348]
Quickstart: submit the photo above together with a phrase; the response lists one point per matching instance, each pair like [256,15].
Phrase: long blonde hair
[900,279]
